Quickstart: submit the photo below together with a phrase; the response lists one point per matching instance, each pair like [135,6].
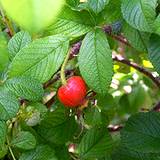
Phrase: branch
[68,72]
[121,39]
[50,102]
[51,81]
[156,107]
[108,30]
[75,49]
[121,59]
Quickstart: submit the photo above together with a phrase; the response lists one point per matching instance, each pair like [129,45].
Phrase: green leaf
[42,152]
[37,112]
[62,153]
[140,14]
[125,106]
[142,133]
[95,117]
[24,140]
[28,14]
[9,105]
[3,151]
[110,15]
[4,56]
[108,157]
[97,5]
[133,102]
[157,25]
[96,143]
[25,87]
[123,153]
[17,42]
[105,102]
[41,59]
[35,106]
[3,133]
[73,3]
[95,61]
[55,124]
[71,23]
[107,106]
[137,39]
[154,51]
[135,97]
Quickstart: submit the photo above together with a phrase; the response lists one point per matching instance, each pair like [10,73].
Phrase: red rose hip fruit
[73,93]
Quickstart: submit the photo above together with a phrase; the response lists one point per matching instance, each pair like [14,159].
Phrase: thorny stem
[62,73]
[10,149]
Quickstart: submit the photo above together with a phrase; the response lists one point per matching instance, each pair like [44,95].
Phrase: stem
[8,23]
[62,73]
[10,149]
[121,39]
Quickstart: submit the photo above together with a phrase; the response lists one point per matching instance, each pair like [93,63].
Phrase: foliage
[113,45]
